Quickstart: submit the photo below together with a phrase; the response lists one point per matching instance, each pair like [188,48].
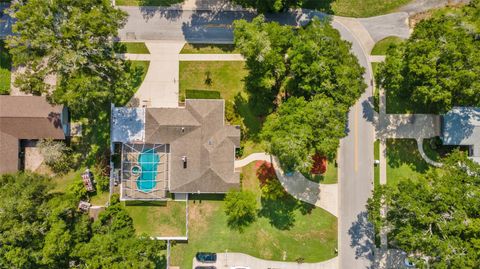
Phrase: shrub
[56,155]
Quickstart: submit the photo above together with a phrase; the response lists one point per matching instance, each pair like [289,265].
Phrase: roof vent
[184,159]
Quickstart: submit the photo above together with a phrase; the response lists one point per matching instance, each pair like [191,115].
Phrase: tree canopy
[312,78]
[435,218]
[41,229]
[70,43]
[240,208]
[301,128]
[438,67]
[268,5]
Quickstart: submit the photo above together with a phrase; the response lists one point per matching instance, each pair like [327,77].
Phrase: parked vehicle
[206,257]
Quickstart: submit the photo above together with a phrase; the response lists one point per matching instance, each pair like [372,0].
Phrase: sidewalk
[228,260]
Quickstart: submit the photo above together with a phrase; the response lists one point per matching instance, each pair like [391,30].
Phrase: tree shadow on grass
[279,212]
[252,115]
[320,5]
[405,151]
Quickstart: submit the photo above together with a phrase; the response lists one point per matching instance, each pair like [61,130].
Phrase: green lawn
[355,8]
[202,94]
[136,48]
[376,168]
[285,229]
[158,219]
[5,69]
[208,49]
[382,46]
[147,2]
[403,161]
[137,71]
[225,77]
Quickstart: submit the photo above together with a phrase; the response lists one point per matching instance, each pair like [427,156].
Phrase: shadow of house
[25,120]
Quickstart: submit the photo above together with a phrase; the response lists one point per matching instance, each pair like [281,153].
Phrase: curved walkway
[324,196]
[226,260]
[424,155]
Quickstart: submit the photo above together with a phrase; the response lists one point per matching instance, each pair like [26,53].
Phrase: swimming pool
[148,161]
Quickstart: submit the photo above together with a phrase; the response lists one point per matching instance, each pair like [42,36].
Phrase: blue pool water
[148,161]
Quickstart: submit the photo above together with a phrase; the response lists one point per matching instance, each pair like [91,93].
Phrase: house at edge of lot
[179,150]
[23,121]
[461,126]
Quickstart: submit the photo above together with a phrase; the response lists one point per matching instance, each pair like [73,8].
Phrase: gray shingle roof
[198,132]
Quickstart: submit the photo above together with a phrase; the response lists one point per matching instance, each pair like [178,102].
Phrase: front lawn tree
[438,67]
[436,218]
[299,129]
[240,208]
[72,42]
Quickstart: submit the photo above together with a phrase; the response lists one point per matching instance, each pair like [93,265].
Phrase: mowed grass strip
[312,236]
[355,8]
[158,219]
[190,48]
[382,46]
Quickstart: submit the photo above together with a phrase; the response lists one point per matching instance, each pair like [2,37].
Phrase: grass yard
[403,161]
[147,2]
[376,168]
[62,182]
[137,72]
[202,94]
[382,46]
[136,48]
[5,69]
[208,49]
[158,219]
[284,230]
[223,76]
[355,8]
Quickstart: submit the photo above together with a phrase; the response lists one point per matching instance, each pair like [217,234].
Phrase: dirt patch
[199,213]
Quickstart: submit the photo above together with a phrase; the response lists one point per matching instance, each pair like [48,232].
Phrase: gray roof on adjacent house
[199,133]
[26,117]
[461,126]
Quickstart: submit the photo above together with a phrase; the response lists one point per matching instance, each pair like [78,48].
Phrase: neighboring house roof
[198,132]
[461,126]
[26,117]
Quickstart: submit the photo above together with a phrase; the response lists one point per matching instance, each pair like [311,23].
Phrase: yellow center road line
[355,138]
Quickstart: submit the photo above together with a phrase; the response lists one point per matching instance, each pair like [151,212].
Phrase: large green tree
[71,41]
[320,62]
[42,229]
[264,46]
[438,67]
[298,62]
[269,5]
[435,218]
[301,128]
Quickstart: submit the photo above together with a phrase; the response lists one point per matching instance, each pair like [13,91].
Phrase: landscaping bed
[285,229]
